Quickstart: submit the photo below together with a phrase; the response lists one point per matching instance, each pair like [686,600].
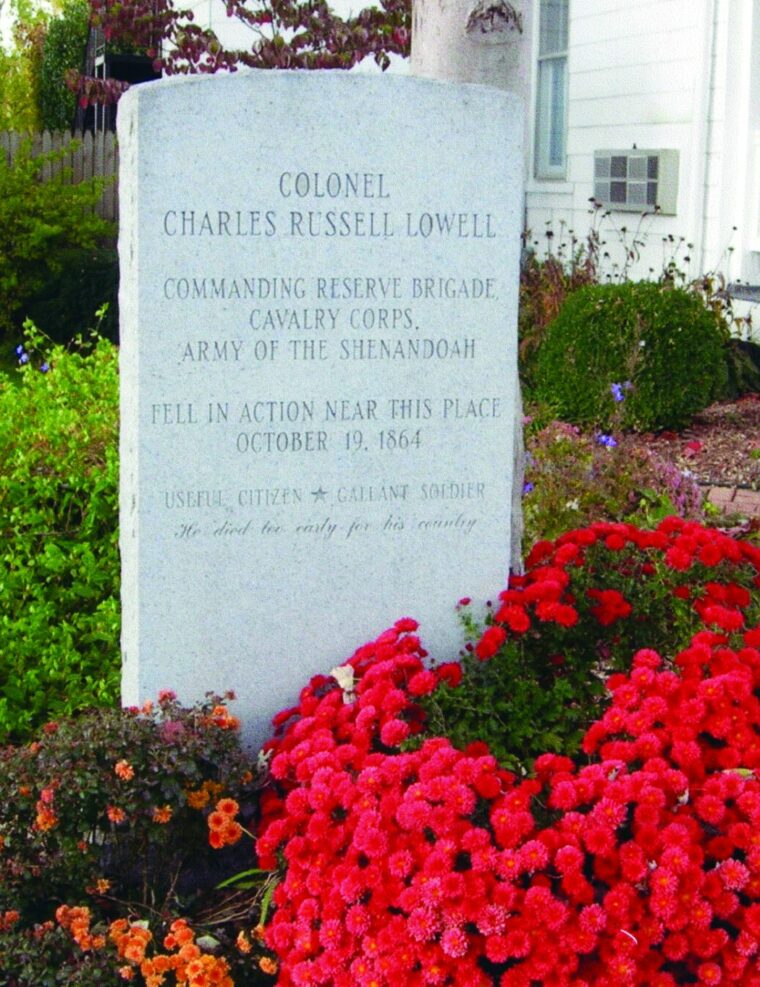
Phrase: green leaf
[242,875]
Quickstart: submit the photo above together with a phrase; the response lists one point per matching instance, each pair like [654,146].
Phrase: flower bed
[434,865]
[405,849]
[437,867]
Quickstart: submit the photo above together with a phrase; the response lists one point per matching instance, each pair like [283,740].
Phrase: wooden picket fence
[94,155]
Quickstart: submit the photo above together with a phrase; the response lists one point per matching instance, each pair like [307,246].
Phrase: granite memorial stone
[318,372]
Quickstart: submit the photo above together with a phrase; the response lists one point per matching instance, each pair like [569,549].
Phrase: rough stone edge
[128,396]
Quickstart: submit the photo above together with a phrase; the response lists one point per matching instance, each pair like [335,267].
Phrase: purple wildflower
[606,440]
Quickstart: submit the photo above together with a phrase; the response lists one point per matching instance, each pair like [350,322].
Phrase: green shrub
[64,48]
[59,564]
[84,281]
[663,340]
[43,957]
[39,220]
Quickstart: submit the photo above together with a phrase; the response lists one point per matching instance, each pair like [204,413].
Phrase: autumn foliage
[287,35]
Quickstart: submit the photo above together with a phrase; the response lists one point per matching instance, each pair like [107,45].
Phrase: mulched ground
[721,447]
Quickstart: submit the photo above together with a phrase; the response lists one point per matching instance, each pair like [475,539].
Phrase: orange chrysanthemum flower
[163,964]
[179,934]
[162,814]
[227,807]
[117,928]
[45,819]
[198,799]
[115,814]
[221,717]
[189,952]
[124,770]
[232,832]
[8,919]
[132,945]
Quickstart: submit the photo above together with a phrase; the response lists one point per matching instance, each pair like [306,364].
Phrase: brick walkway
[736,500]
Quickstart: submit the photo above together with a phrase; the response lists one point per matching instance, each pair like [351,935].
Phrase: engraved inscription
[359,451]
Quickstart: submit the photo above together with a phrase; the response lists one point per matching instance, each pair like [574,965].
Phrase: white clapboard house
[639,104]
[651,103]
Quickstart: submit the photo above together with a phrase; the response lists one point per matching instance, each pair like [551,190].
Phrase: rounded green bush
[662,340]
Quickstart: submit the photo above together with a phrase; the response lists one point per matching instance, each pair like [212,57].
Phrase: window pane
[618,168]
[557,132]
[601,167]
[553,27]
[652,193]
[551,101]
[637,193]
[617,192]
[602,191]
[550,122]
[652,163]
[637,168]
[543,117]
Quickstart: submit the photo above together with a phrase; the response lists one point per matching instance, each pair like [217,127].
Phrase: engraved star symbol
[319,494]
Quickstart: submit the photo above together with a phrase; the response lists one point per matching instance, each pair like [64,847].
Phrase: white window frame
[550,158]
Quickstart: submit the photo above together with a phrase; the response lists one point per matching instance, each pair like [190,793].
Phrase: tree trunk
[484,41]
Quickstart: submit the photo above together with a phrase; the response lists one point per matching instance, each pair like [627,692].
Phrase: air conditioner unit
[636,180]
